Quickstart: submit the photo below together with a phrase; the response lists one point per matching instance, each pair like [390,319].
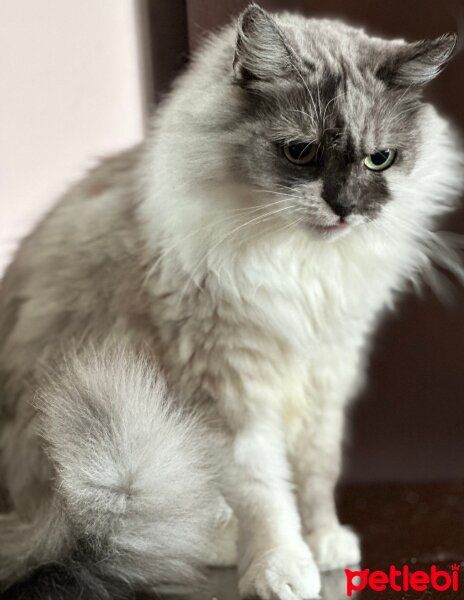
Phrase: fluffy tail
[133,495]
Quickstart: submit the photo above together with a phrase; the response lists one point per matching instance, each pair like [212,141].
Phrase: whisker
[329,103]
[307,89]
[272,230]
[256,221]
[252,209]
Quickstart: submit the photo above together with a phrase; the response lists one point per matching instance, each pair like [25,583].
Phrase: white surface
[71,91]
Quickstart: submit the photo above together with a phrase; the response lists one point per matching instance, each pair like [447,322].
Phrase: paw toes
[282,577]
[334,548]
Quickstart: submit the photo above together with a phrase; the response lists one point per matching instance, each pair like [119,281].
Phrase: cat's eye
[300,153]
[380,160]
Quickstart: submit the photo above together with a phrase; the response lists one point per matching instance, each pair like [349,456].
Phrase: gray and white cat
[180,336]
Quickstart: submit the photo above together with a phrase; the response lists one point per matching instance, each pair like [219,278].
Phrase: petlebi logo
[403,580]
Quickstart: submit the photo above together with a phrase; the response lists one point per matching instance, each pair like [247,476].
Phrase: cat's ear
[418,63]
[261,51]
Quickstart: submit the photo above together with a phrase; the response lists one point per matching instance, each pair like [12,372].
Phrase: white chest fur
[309,308]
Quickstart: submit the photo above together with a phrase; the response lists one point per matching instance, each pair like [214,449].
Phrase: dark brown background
[409,423]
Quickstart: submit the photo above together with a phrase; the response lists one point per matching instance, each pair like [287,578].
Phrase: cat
[181,334]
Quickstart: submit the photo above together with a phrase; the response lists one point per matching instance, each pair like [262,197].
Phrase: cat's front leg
[316,457]
[274,560]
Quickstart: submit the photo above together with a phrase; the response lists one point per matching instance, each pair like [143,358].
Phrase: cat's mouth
[339,225]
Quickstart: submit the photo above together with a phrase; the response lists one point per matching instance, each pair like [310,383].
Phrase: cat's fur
[205,256]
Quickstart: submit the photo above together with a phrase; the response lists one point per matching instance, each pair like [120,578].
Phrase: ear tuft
[261,51]
[418,63]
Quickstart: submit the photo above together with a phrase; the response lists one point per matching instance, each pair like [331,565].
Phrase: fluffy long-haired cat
[180,336]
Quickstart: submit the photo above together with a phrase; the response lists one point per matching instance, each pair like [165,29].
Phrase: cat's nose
[342,208]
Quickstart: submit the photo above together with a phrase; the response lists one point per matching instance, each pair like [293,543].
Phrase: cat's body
[259,323]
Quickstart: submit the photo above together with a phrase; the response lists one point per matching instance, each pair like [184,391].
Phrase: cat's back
[77,267]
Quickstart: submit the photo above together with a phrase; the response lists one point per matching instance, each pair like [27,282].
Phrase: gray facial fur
[323,82]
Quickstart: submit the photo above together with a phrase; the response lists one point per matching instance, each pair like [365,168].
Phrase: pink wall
[72,90]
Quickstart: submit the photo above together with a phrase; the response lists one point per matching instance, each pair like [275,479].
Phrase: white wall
[71,90]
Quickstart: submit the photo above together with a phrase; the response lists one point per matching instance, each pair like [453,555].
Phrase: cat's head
[333,126]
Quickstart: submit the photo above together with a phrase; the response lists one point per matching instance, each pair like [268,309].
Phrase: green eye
[300,153]
[380,160]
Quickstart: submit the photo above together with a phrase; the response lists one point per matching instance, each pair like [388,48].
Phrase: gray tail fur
[78,577]
[133,493]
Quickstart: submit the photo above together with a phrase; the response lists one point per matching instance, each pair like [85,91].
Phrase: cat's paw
[286,573]
[334,547]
